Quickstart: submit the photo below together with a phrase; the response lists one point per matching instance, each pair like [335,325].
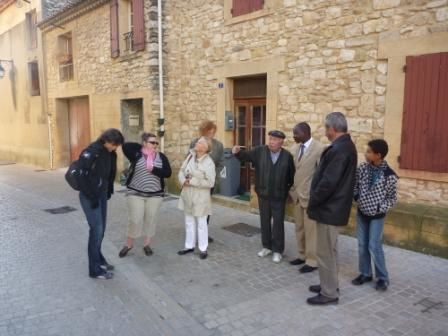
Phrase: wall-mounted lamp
[2,69]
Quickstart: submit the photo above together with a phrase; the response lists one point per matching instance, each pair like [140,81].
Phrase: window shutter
[424,141]
[241,7]
[114,31]
[138,30]
[256,5]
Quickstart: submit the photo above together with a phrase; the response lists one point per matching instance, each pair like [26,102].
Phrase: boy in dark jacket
[375,192]
[98,166]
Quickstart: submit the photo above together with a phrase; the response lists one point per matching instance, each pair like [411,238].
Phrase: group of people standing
[320,181]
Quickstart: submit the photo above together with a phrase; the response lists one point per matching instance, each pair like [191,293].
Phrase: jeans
[96,218]
[370,246]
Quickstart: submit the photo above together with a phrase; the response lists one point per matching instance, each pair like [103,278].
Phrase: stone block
[385,4]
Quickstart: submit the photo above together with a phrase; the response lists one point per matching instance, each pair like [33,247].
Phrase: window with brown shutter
[138,25]
[33,71]
[114,31]
[424,142]
[31,29]
[242,7]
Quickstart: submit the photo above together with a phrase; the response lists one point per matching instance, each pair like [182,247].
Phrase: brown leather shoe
[148,251]
[124,251]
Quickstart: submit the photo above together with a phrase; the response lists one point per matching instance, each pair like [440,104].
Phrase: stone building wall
[105,80]
[331,58]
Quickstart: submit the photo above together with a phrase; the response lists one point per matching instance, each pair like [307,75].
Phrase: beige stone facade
[319,56]
[104,81]
[23,120]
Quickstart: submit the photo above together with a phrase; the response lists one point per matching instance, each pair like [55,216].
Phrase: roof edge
[6,4]
[70,13]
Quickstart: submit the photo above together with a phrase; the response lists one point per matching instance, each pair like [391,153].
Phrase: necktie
[301,151]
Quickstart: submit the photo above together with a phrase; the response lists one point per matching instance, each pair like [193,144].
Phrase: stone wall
[106,81]
[331,55]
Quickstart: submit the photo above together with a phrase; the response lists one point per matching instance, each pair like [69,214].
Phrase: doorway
[79,125]
[250,126]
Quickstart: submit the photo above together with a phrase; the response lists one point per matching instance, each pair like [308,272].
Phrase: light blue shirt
[274,156]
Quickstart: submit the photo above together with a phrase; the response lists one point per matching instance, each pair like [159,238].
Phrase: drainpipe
[161,120]
[43,87]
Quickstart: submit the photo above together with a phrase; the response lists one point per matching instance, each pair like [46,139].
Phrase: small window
[31,28]
[128,36]
[242,7]
[65,57]
[33,75]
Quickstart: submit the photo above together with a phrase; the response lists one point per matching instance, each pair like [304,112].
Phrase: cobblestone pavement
[45,290]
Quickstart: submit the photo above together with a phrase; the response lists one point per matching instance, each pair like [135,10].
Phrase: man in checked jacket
[375,192]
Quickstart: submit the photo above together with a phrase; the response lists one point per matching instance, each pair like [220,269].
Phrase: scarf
[150,156]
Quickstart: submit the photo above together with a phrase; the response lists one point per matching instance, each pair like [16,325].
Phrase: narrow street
[45,290]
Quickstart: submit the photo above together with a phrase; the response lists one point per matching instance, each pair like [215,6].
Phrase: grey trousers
[327,259]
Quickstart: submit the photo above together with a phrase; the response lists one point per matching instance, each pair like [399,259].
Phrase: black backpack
[73,173]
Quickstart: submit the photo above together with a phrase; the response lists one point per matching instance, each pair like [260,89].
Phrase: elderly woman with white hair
[197,177]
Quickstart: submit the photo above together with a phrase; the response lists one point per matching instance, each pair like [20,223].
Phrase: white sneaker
[277,257]
[264,253]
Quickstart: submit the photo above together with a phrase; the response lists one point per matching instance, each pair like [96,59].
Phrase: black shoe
[148,251]
[185,251]
[307,269]
[203,255]
[361,280]
[210,240]
[103,276]
[297,262]
[124,251]
[107,267]
[381,285]
[320,300]
[316,289]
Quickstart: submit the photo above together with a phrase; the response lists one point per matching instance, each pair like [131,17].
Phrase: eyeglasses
[155,143]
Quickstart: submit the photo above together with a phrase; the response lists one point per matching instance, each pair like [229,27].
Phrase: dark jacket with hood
[333,183]
[98,167]
[133,152]
[272,181]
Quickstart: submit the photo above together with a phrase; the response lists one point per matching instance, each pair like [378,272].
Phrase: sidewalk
[45,290]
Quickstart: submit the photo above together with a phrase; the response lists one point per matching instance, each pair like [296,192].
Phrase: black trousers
[272,220]
[212,190]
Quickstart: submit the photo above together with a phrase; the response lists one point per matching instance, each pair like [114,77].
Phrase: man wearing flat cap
[274,176]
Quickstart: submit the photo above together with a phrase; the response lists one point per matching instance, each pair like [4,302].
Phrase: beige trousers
[305,235]
[327,258]
[142,213]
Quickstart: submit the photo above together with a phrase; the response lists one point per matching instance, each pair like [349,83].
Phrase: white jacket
[195,199]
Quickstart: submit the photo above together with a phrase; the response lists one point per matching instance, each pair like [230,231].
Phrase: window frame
[34,83]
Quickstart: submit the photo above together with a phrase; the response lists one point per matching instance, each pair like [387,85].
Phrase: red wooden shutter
[424,142]
[114,31]
[138,30]
[241,7]
[256,5]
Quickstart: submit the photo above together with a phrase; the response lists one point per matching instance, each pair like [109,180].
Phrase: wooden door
[79,125]
[250,131]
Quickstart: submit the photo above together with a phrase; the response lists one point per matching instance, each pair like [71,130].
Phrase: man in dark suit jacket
[274,176]
[330,204]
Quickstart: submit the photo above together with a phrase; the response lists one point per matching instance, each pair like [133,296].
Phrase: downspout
[44,95]
[161,101]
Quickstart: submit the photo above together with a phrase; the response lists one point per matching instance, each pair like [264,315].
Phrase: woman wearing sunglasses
[145,189]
